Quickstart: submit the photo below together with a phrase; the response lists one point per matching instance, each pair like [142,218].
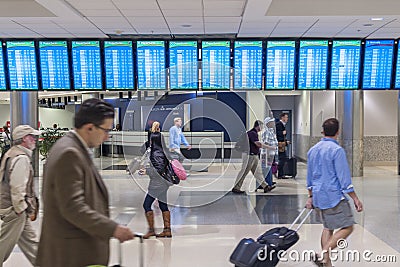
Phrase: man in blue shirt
[328,180]
[176,138]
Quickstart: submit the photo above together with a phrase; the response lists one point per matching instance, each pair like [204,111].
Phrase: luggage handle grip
[141,260]
[298,218]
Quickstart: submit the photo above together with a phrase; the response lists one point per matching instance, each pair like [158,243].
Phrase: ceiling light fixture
[368,25]
[186,25]
[376,19]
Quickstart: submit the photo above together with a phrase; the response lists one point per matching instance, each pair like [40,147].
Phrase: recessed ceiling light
[186,25]
[368,25]
[376,19]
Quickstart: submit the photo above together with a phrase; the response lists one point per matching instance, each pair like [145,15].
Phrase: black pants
[148,201]
[282,159]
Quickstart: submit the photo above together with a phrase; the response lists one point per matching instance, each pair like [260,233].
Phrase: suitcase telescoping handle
[141,252]
[141,249]
[302,221]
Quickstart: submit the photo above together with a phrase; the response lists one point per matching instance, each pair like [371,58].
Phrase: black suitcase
[290,167]
[265,250]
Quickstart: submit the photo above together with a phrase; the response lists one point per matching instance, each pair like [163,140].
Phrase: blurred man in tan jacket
[18,202]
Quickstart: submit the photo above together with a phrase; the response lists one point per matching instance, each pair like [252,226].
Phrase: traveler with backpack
[161,178]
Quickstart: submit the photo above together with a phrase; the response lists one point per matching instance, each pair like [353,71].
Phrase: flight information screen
[313,64]
[119,64]
[151,64]
[86,65]
[345,66]
[397,84]
[22,65]
[183,65]
[2,73]
[378,64]
[215,64]
[280,64]
[54,65]
[248,65]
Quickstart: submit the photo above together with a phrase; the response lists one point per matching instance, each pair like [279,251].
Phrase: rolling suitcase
[138,163]
[264,251]
[290,168]
[141,252]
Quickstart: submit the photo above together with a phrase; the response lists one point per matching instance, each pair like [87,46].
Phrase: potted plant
[47,140]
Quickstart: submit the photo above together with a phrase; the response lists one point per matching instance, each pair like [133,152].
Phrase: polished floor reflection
[208,220]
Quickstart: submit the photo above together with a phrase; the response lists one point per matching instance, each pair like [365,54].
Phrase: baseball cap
[269,119]
[22,130]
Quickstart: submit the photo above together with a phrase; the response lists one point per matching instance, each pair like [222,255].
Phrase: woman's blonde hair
[155,127]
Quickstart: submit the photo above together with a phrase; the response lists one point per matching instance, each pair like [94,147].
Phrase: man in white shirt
[18,202]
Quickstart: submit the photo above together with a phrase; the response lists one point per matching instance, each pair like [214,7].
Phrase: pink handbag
[178,169]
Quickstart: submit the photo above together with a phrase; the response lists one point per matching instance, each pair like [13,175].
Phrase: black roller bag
[290,168]
[265,250]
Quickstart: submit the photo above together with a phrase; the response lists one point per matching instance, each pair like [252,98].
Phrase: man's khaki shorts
[338,217]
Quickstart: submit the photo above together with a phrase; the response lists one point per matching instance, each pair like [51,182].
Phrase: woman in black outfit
[158,186]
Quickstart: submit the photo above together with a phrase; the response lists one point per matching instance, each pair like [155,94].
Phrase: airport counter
[205,145]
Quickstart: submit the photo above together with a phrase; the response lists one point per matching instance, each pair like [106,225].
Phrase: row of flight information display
[316,63]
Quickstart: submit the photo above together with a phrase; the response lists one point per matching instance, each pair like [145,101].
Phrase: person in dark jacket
[158,186]
[282,142]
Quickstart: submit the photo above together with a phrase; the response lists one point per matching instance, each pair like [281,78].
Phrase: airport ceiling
[185,18]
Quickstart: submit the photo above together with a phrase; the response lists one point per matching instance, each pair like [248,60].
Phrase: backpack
[242,144]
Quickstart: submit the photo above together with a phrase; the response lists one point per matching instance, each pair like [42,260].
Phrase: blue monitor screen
[151,64]
[280,64]
[378,64]
[22,65]
[313,64]
[119,64]
[248,65]
[54,65]
[183,65]
[397,84]
[87,66]
[215,64]
[2,74]
[345,66]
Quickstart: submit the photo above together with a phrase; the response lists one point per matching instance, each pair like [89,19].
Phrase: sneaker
[318,262]
[237,191]
[269,189]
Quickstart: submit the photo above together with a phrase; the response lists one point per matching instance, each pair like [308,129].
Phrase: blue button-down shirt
[176,138]
[328,173]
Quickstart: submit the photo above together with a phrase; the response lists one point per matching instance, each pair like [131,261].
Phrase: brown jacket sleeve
[72,198]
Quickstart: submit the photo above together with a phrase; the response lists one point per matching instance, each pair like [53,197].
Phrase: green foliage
[47,140]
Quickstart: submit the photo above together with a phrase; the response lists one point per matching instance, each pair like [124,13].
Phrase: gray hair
[18,141]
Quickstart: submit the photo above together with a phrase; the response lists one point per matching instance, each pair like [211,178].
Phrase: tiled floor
[208,221]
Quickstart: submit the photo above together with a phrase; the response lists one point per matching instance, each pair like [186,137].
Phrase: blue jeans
[268,176]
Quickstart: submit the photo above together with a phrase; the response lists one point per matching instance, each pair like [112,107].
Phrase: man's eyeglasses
[107,131]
